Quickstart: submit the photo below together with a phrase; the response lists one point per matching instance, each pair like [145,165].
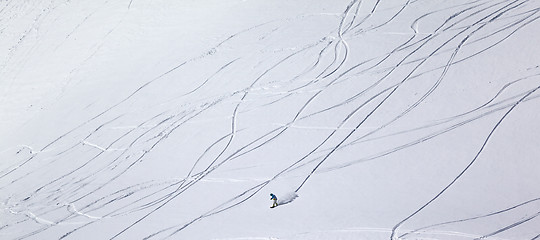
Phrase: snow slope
[410,119]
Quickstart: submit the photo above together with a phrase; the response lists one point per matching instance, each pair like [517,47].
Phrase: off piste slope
[372,119]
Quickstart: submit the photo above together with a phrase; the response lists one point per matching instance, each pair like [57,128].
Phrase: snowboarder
[273,197]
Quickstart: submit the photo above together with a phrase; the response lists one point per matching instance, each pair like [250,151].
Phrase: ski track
[470,219]
[91,187]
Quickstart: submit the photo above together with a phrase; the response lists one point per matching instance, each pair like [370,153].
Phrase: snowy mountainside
[371,119]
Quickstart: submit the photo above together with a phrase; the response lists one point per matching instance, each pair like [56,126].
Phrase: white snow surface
[402,119]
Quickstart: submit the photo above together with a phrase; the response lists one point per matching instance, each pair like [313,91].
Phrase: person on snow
[273,197]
